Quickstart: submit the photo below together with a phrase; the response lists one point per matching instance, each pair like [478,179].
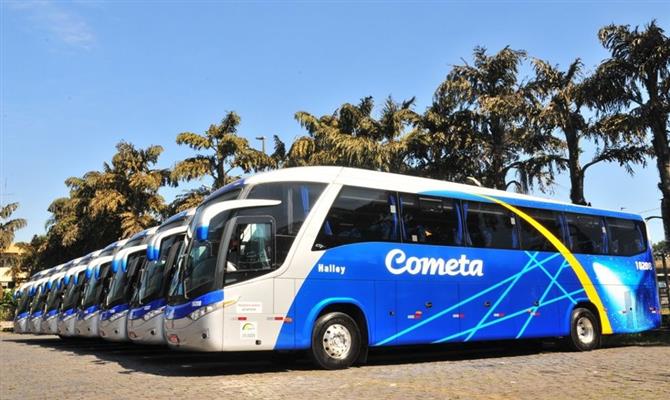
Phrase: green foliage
[9,226]
[632,90]
[352,137]
[7,305]
[480,125]
[225,151]
[102,207]
[560,97]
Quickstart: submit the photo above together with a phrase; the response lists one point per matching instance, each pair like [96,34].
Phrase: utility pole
[262,139]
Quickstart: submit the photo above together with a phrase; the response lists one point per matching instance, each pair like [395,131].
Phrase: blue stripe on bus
[183,310]
[50,314]
[114,310]
[139,312]
[66,313]
[22,315]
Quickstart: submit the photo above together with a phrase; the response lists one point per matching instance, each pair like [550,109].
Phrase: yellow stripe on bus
[583,277]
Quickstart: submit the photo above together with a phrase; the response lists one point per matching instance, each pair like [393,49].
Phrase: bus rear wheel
[584,330]
[336,341]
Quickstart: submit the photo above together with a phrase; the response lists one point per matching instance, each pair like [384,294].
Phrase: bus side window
[587,233]
[490,225]
[626,237]
[531,238]
[359,215]
[430,220]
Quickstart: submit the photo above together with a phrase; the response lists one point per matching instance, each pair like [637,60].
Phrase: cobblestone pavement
[47,367]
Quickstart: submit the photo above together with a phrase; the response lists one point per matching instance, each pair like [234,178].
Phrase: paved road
[46,367]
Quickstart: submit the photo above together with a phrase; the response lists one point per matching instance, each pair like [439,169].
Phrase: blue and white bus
[97,281]
[22,297]
[72,285]
[337,260]
[145,319]
[54,286]
[126,264]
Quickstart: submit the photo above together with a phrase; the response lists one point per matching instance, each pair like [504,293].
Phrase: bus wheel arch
[349,316]
[585,327]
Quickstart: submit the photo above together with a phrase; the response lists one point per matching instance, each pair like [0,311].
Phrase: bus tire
[336,341]
[584,330]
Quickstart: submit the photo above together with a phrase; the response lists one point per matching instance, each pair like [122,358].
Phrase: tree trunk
[576,172]
[660,142]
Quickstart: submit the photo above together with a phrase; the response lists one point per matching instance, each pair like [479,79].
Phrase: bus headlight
[153,313]
[202,311]
[118,315]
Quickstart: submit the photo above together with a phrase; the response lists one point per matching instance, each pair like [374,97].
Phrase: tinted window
[626,237]
[297,201]
[430,220]
[587,233]
[490,225]
[359,215]
[531,238]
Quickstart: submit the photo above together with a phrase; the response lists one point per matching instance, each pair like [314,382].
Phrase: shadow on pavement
[159,360]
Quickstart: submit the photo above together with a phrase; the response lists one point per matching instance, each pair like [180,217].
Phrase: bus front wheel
[336,341]
[584,330]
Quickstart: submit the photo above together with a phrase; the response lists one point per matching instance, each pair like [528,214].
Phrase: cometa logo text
[398,263]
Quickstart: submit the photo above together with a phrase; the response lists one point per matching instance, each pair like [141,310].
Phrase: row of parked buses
[337,260]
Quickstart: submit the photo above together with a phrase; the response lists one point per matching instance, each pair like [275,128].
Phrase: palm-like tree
[8,225]
[560,98]
[353,137]
[225,152]
[633,88]
[128,187]
[479,124]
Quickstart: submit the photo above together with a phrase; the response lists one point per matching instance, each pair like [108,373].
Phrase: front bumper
[21,325]
[88,327]
[66,325]
[35,325]
[203,334]
[114,330]
[147,331]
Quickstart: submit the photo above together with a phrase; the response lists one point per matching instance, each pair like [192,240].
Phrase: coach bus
[73,282]
[126,264]
[336,260]
[97,281]
[54,291]
[22,296]
[145,319]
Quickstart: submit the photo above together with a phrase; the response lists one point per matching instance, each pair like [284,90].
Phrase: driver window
[250,247]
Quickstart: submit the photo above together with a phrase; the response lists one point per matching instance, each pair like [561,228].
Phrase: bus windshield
[201,256]
[38,301]
[122,287]
[156,272]
[94,287]
[23,304]
[54,297]
[71,296]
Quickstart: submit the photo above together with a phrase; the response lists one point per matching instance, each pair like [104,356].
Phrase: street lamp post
[262,139]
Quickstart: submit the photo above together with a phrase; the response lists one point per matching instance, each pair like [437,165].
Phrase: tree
[560,100]
[478,126]
[8,227]
[352,137]
[102,207]
[632,87]
[225,151]
[128,187]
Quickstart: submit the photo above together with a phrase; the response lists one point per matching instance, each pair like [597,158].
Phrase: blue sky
[77,77]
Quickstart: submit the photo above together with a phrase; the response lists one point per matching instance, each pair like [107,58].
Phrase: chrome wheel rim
[337,341]
[585,330]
